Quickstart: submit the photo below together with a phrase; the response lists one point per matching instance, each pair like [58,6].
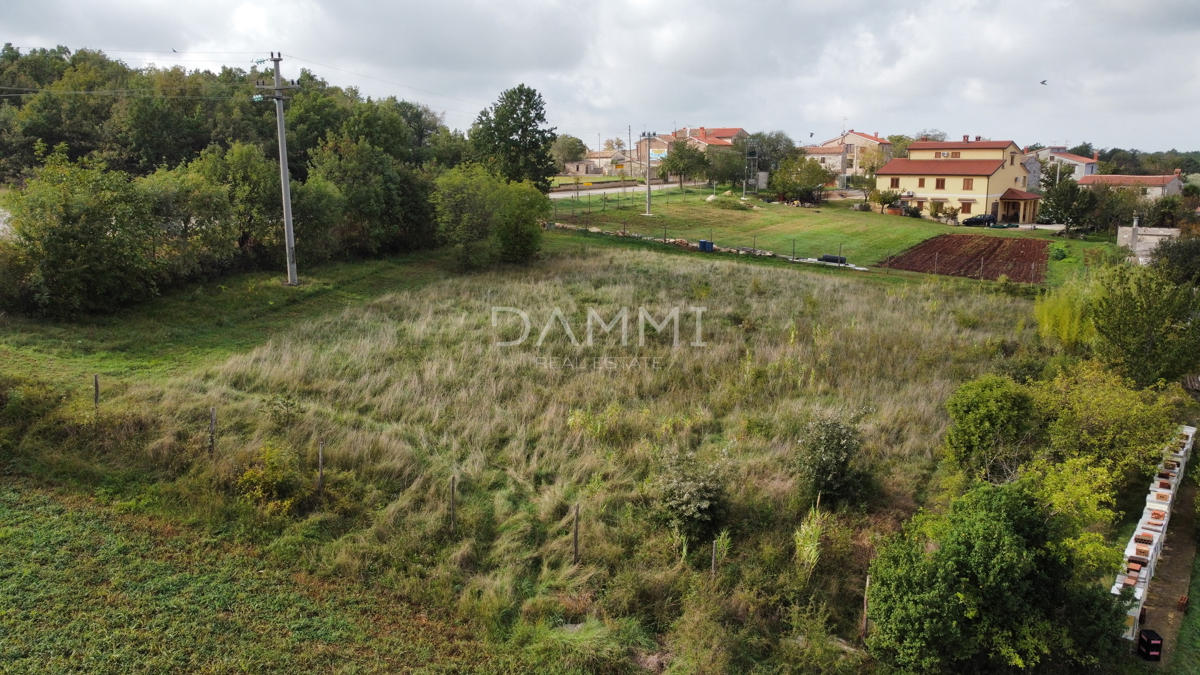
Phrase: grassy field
[393,366]
[865,238]
[92,589]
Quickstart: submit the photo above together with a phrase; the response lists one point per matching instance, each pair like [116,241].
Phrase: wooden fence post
[96,390]
[714,559]
[212,431]
[863,631]
[320,467]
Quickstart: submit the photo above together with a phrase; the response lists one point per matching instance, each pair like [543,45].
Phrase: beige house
[862,150]
[1149,186]
[834,158]
[976,177]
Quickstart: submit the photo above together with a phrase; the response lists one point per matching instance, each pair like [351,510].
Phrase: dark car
[982,220]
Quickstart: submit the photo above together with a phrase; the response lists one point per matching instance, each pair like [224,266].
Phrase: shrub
[828,447]
[1179,259]
[1059,252]
[1146,325]
[518,228]
[913,212]
[690,494]
[989,418]
[1064,315]
[273,481]
[730,203]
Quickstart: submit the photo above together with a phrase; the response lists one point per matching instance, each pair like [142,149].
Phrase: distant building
[860,145]
[1057,154]
[976,177]
[834,157]
[1149,186]
[1142,241]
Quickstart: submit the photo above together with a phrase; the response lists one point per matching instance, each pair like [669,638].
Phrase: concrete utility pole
[285,181]
[647,135]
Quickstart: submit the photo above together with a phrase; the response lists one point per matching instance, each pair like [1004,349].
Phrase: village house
[1057,154]
[834,157]
[609,162]
[862,150]
[1148,186]
[976,177]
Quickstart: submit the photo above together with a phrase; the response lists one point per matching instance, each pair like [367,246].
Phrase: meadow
[391,368]
[866,238]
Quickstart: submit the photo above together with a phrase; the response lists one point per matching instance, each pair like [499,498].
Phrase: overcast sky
[1120,73]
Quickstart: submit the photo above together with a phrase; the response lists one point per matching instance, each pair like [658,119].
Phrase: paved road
[640,189]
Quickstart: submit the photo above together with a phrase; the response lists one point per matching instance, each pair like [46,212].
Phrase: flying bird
[173,49]
[1043,82]
[810,134]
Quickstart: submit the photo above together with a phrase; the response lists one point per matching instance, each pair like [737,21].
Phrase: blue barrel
[703,245]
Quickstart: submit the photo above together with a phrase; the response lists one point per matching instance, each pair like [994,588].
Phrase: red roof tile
[1013,193]
[1074,158]
[959,145]
[869,137]
[1154,181]
[711,140]
[940,167]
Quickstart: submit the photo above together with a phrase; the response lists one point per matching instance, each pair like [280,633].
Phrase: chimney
[966,138]
[875,134]
[1096,155]
[924,138]
[978,138]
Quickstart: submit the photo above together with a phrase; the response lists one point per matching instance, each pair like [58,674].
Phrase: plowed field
[977,257]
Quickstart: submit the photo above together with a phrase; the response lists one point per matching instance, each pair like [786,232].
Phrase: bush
[274,483]
[1059,252]
[828,448]
[989,418]
[86,236]
[913,212]
[730,203]
[518,228]
[690,494]
[1146,325]
[1179,259]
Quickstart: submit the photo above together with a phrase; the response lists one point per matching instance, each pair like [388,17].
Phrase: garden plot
[977,257]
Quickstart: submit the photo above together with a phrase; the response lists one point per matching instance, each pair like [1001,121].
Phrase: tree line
[123,182]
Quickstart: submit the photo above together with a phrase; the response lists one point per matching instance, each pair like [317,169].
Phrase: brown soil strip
[976,257]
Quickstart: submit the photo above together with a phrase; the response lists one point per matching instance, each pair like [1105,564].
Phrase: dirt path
[1173,574]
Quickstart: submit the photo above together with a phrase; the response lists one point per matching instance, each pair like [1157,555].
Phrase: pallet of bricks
[1144,548]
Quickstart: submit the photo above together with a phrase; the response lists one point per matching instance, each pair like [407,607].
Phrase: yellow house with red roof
[976,177]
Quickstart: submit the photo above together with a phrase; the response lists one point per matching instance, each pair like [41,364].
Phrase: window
[966,207]
[955,155]
[895,182]
[822,160]
[968,183]
[1012,158]
[941,184]
[1023,182]
[920,182]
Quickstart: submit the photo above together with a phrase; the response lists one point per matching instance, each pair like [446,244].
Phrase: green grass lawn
[92,589]
[865,238]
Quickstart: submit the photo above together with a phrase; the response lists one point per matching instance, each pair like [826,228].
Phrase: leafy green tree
[316,113]
[885,198]
[382,125]
[317,211]
[725,167]
[1179,259]
[567,148]
[931,135]
[989,588]
[1147,325]
[449,148]
[251,182]
[900,144]
[800,178]
[772,148]
[465,203]
[195,230]
[1069,204]
[522,208]
[863,184]
[87,236]
[691,494]
[991,418]
[384,206]
[512,137]
[684,161]
[1091,412]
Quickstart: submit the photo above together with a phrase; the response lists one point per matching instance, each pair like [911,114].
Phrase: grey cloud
[1120,73]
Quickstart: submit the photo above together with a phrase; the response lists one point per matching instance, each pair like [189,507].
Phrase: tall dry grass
[411,389]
